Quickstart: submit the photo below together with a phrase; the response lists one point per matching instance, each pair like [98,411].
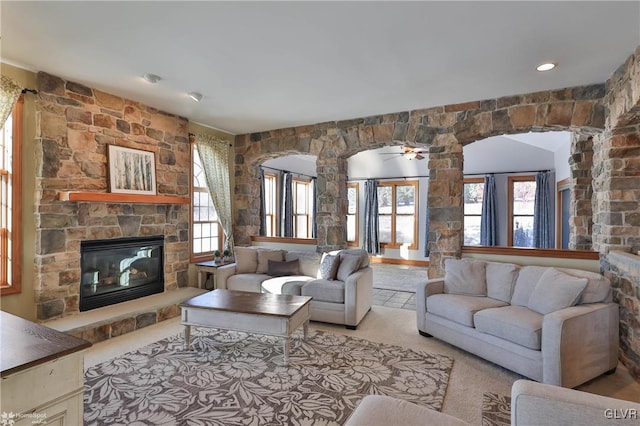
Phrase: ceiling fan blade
[419,157]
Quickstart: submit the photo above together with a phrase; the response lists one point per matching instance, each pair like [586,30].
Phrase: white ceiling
[266,65]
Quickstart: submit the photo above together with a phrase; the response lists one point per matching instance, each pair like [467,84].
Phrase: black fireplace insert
[121,269]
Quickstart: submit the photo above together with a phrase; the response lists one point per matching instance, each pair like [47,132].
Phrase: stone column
[332,201]
[581,219]
[445,201]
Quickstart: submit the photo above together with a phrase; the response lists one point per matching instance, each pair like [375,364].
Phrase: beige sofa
[343,297]
[556,326]
[531,404]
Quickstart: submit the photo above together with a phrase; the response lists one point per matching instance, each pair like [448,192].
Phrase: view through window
[352,214]
[397,214]
[473,196]
[205,228]
[522,192]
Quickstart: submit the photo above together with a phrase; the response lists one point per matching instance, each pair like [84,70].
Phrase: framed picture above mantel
[131,171]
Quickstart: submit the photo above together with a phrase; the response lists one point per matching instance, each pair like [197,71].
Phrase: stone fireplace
[74,126]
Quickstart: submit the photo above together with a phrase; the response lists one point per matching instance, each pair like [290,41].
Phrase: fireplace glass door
[118,270]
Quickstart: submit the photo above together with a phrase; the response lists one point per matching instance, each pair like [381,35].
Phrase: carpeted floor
[233,378]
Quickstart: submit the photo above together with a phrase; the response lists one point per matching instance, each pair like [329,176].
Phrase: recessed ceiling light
[195,96]
[546,67]
[152,78]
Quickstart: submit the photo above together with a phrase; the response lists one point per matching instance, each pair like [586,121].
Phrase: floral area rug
[233,378]
[496,410]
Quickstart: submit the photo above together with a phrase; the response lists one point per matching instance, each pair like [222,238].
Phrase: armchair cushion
[324,290]
[556,290]
[465,276]
[349,263]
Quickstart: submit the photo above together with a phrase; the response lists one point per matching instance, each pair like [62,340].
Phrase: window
[473,196]
[397,214]
[522,193]
[352,214]
[271,204]
[302,207]
[11,202]
[206,233]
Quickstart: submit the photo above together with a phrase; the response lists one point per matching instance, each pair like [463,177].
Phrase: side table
[208,267]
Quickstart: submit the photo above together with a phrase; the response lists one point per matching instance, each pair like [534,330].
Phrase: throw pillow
[556,290]
[246,260]
[281,269]
[264,256]
[329,266]
[465,276]
[349,263]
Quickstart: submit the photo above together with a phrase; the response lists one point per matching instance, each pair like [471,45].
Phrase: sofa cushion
[324,290]
[528,277]
[556,290]
[598,288]
[500,280]
[281,269]
[264,256]
[246,260]
[309,261]
[460,308]
[516,324]
[285,285]
[349,263]
[465,276]
[246,282]
[328,266]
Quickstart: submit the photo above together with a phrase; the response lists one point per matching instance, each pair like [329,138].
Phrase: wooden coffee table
[263,313]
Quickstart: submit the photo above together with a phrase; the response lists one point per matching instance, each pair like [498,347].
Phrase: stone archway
[444,130]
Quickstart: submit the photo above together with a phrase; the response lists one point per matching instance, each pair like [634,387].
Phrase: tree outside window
[522,193]
[473,197]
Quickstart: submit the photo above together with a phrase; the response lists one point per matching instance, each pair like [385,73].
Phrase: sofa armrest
[579,343]
[223,273]
[358,295]
[541,404]
[424,290]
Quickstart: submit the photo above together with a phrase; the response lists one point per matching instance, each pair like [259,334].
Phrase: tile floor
[394,299]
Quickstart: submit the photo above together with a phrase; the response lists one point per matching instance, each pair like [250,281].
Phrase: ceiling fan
[410,152]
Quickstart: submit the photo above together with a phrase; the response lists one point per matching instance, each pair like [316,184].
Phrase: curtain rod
[287,171]
[193,135]
[466,174]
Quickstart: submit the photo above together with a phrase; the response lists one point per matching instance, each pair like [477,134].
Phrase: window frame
[204,256]
[394,185]
[275,217]
[15,285]
[475,180]
[510,215]
[307,183]
[356,241]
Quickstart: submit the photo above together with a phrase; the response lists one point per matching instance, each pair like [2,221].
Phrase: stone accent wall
[74,126]
[444,130]
[616,183]
[581,219]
